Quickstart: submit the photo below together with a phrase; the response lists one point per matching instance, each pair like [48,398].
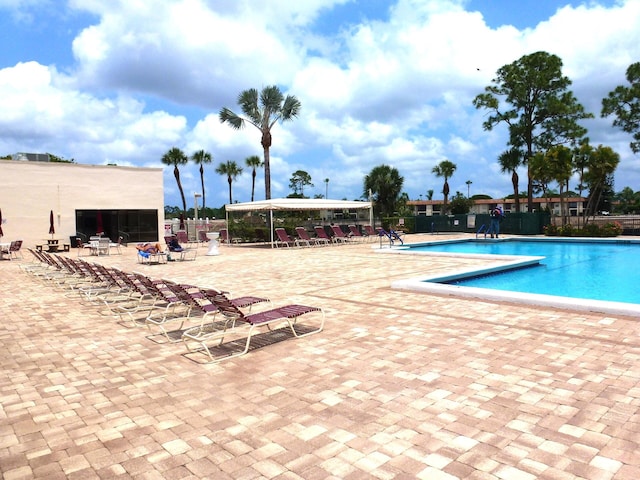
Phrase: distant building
[574,206]
[31,157]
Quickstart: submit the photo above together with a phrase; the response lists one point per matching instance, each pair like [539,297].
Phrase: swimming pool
[588,274]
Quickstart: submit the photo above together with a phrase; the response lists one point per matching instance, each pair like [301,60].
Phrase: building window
[131,225]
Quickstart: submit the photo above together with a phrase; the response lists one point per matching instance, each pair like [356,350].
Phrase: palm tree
[253,162]
[176,157]
[385,183]
[509,161]
[602,164]
[263,113]
[201,157]
[444,169]
[231,170]
[560,159]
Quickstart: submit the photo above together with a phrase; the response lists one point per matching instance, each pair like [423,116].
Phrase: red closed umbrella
[1,232]
[99,227]
[181,227]
[52,229]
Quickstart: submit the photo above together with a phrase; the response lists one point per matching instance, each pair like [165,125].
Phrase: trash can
[74,241]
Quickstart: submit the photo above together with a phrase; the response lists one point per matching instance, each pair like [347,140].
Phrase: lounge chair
[143,300]
[150,254]
[236,322]
[284,238]
[177,252]
[356,234]
[182,237]
[125,294]
[338,234]
[202,333]
[369,230]
[224,236]
[303,236]
[202,237]
[322,234]
[175,307]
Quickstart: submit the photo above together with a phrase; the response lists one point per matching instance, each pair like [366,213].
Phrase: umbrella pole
[271,229]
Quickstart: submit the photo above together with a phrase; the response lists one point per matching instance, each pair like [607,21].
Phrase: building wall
[29,191]
[573,206]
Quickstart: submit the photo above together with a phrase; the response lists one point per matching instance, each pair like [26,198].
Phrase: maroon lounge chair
[237,322]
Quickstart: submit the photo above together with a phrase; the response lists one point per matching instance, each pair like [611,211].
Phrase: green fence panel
[513,223]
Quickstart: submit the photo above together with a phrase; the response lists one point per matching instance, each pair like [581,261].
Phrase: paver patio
[398,385]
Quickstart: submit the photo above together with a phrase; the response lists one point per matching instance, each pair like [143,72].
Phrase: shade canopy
[283,204]
[276,204]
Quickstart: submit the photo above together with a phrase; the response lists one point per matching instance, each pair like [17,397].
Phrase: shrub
[611,229]
[591,230]
[567,230]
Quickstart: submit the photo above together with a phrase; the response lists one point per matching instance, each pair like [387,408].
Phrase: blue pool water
[591,270]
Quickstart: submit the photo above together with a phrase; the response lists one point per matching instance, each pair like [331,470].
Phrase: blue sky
[380,82]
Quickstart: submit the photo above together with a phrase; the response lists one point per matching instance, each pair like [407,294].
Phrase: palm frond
[271,98]
[227,116]
[248,101]
[291,107]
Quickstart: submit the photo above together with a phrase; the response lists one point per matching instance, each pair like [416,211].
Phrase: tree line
[531,97]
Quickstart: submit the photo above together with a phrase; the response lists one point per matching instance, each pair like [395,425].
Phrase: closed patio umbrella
[52,229]
[1,232]
[99,226]
[181,227]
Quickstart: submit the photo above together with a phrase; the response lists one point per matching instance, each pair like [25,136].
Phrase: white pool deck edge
[427,284]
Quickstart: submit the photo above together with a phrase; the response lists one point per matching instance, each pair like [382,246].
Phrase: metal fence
[513,223]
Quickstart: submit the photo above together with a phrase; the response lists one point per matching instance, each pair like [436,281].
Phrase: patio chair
[13,251]
[339,235]
[104,246]
[303,236]
[236,322]
[224,236]
[116,246]
[321,233]
[284,238]
[202,237]
[182,237]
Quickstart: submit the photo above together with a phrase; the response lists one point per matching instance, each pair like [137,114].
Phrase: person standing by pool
[496,217]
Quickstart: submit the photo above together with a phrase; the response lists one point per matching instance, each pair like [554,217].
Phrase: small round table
[213,243]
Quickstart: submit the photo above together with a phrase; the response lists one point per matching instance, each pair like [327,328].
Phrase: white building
[123,202]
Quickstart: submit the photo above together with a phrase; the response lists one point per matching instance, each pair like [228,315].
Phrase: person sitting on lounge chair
[174,245]
[150,248]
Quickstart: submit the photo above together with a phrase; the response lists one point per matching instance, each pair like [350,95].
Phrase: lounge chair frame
[237,323]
